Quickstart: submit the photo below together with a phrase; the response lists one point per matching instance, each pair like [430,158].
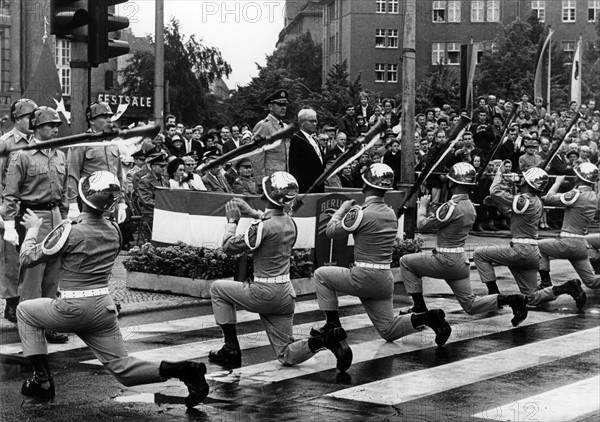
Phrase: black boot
[436,320]
[332,321]
[573,288]
[518,304]
[492,288]
[546,281]
[10,309]
[419,305]
[192,374]
[41,386]
[230,353]
[334,340]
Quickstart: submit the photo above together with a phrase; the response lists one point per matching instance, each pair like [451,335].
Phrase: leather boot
[418,307]
[518,304]
[546,281]
[230,354]
[572,288]
[332,321]
[41,386]
[192,374]
[334,340]
[436,320]
[10,309]
[492,288]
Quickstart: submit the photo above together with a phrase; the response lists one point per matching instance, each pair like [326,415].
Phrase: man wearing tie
[306,160]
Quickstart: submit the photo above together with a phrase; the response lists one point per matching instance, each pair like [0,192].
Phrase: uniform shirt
[245,186]
[521,225]
[88,256]
[36,177]
[84,161]
[147,186]
[453,232]
[272,257]
[276,159]
[580,213]
[374,237]
[8,141]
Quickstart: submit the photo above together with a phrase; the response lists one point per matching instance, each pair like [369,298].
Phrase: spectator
[192,143]
[333,181]
[348,123]
[340,145]
[214,179]
[171,130]
[177,175]
[391,118]
[530,159]
[192,178]
[346,177]
[377,111]
[245,184]
[177,146]
[306,161]
[155,178]
[393,158]
[364,109]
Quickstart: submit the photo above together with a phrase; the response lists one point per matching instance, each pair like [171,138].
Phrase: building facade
[302,16]
[368,33]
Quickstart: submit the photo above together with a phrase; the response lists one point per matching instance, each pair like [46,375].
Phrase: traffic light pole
[80,86]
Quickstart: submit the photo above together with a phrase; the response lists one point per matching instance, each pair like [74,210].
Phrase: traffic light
[101,23]
[66,16]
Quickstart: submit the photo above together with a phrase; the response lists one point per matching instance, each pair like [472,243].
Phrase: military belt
[566,234]
[450,250]
[76,294]
[525,241]
[371,265]
[280,279]
[48,206]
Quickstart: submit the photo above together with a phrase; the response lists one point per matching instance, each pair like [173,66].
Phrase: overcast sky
[245,31]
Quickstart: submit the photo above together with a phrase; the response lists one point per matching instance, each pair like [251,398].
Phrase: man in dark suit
[231,142]
[306,160]
[191,145]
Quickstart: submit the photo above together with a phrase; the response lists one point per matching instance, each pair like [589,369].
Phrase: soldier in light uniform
[36,180]
[86,251]
[20,113]
[522,255]
[276,159]
[374,226]
[270,238]
[155,178]
[581,205]
[452,222]
[244,184]
[83,161]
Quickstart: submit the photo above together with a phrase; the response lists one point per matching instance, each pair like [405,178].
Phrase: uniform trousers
[94,320]
[576,251]
[452,267]
[274,302]
[41,280]
[374,288]
[9,270]
[523,261]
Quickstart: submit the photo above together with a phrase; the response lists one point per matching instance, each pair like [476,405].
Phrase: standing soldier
[86,252]
[20,113]
[270,238]
[83,161]
[452,222]
[581,205]
[374,226]
[36,180]
[522,256]
[276,159]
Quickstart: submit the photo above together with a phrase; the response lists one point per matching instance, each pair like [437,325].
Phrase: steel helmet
[587,172]
[43,115]
[536,178]
[98,109]
[379,176]
[280,188]
[21,108]
[100,190]
[463,174]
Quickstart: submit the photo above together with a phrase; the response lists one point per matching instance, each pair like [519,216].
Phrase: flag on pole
[576,74]
[472,50]
[538,86]
[120,111]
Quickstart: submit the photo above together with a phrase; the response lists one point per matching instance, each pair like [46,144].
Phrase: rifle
[91,139]
[556,147]
[457,131]
[257,145]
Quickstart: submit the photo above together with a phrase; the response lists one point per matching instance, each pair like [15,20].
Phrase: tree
[440,86]
[190,68]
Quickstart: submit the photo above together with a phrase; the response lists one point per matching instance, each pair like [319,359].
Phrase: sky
[245,31]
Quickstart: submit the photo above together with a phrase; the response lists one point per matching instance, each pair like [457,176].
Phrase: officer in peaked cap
[276,159]
[139,155]
[452,222]
[156,177]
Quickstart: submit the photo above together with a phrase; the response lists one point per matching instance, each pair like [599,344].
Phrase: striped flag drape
[538,86]
[576,74]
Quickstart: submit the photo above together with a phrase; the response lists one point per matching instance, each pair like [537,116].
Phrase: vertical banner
[330,251]
[538,86]
[576,75]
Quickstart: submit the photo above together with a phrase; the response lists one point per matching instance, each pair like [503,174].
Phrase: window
[393,6]
[493,11]
[453,53]
[568,10]
[454,11]
[380,38]
[392,73]
[5,58]
[386,6]
[477,11]
[539,9]
[380,6]
[569,48]
[439,11]
[392,40]
[593,9]
[438,53]
[485,11]
[63,60]
[331,12]
[379,72]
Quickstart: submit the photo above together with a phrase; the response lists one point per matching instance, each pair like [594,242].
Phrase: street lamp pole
[159,63]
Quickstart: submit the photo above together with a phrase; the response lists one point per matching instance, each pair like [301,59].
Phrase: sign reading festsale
[132,100]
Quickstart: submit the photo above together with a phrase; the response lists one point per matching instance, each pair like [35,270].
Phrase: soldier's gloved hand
[346,205]
[73,211]
[121,212]
[425,201]
[246,209]
[10,233]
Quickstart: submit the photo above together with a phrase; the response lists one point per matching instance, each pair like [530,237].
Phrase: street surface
[548,369]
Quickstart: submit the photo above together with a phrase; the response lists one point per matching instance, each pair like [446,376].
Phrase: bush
[405,247]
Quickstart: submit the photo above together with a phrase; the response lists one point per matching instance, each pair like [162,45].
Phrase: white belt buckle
[280,279]
[76,294]
[450,250]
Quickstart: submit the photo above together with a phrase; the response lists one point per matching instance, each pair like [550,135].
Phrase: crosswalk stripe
[569,403]
[392,391]
[141,331]
[200,349]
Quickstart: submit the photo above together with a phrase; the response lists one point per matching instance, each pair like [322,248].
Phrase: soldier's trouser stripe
[424,383]
[568,403]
